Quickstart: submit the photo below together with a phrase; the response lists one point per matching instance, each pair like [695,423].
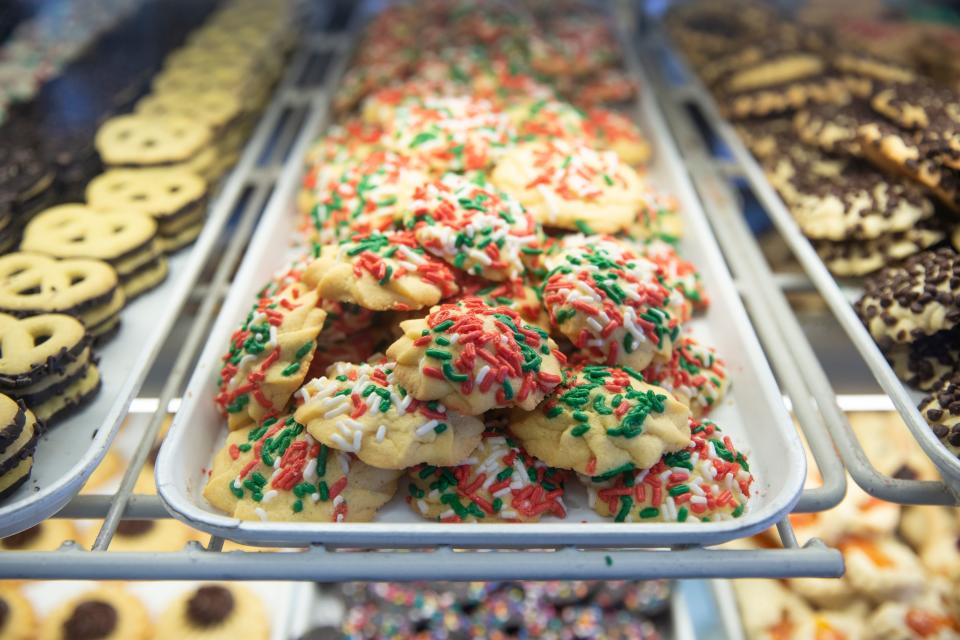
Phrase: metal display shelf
[712,176]
[277,150]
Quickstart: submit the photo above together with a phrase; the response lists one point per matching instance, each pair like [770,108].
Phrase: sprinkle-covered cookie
[606,129]
[925,363]
[277,472]
[695,376]
[381,272]
[366,410]
[499,482]
[611,303]
[919,298]
[269,355]
[658,217]
[474,227]
[474,357]
[513,294]
[603,421]
[941,409]
[367,197]
[571,186]
[707,481]
[680,274]
[451,134]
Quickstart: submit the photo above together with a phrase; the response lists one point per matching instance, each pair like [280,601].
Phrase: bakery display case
[474,319]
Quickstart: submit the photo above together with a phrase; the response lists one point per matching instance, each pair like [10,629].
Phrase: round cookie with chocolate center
[278,472]
[603,421]
[381,272]
[105,613]
[707,481]
[571,186]
[901,304]
[17,620]
[215,612]
[499,482]
[474,227]
[941,409]
[366,409]
[474,357]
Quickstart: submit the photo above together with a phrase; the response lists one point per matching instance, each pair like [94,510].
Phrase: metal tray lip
[532,535]
[902,396]
[17,515]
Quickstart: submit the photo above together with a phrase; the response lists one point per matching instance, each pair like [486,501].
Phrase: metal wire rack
[712,175]
[275,149]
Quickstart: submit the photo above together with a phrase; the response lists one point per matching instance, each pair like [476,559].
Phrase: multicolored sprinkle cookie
[513,294]
[380,272]
[366,197]
[707,481]
[569,185]
[499,482]
[269,355]
[474,227]
[695,375]
[603,421]
[613,304]
[366,410]
[277,472]
[474,357]
[451,133]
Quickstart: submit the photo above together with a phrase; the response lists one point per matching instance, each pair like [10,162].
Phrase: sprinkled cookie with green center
[451,133]
[695,376]
[474,227]
[366,197]
[499,482]
[474,357]
[269,355]
[277,472]
[567,184]
[707,481]
[615,306]
[364,409]
[603,421]
[381,272]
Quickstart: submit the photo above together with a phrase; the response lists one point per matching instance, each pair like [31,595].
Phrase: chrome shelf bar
[741,243]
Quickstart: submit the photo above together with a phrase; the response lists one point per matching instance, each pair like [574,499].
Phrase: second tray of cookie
[753,415]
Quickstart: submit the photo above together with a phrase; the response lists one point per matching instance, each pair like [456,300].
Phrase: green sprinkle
[738,511]
[682,514]
[304,350]
[439,355]
[497,504]
[452,375]
[291,369]
[507,390]
[608,560]
[579,430]
[443,326]
[679,490]
[297,506]
[235,490]
[440,428]
[649,512]
[583,227]
[323,490]
[626,503]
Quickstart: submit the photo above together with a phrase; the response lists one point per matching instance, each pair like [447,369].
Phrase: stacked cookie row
[863,170]
[902,575]
[114,610]
[513,356]
[18,441]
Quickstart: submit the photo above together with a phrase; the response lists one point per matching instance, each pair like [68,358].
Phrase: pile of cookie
[550,610]
[118,610]
[902,576]
[492,300]
[863,149]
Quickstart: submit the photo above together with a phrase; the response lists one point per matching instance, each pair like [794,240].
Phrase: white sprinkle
[315,497]
[481,376]
[333,413]
[261,514]
[341,443]
[310,471]
[338,500]
[268,496]
[426,428]
[381,432]
[422,505]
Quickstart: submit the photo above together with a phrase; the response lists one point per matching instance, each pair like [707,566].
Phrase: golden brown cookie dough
[603,421]
[49,535]
[215,612]
[106,612]
[17,619]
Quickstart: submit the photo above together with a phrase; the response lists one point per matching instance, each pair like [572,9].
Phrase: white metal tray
[68,453]
[754,415]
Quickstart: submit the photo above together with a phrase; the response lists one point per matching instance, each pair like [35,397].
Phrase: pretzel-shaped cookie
[31,343]
[142,140]
[73,230]
[161,192]
[32,283]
